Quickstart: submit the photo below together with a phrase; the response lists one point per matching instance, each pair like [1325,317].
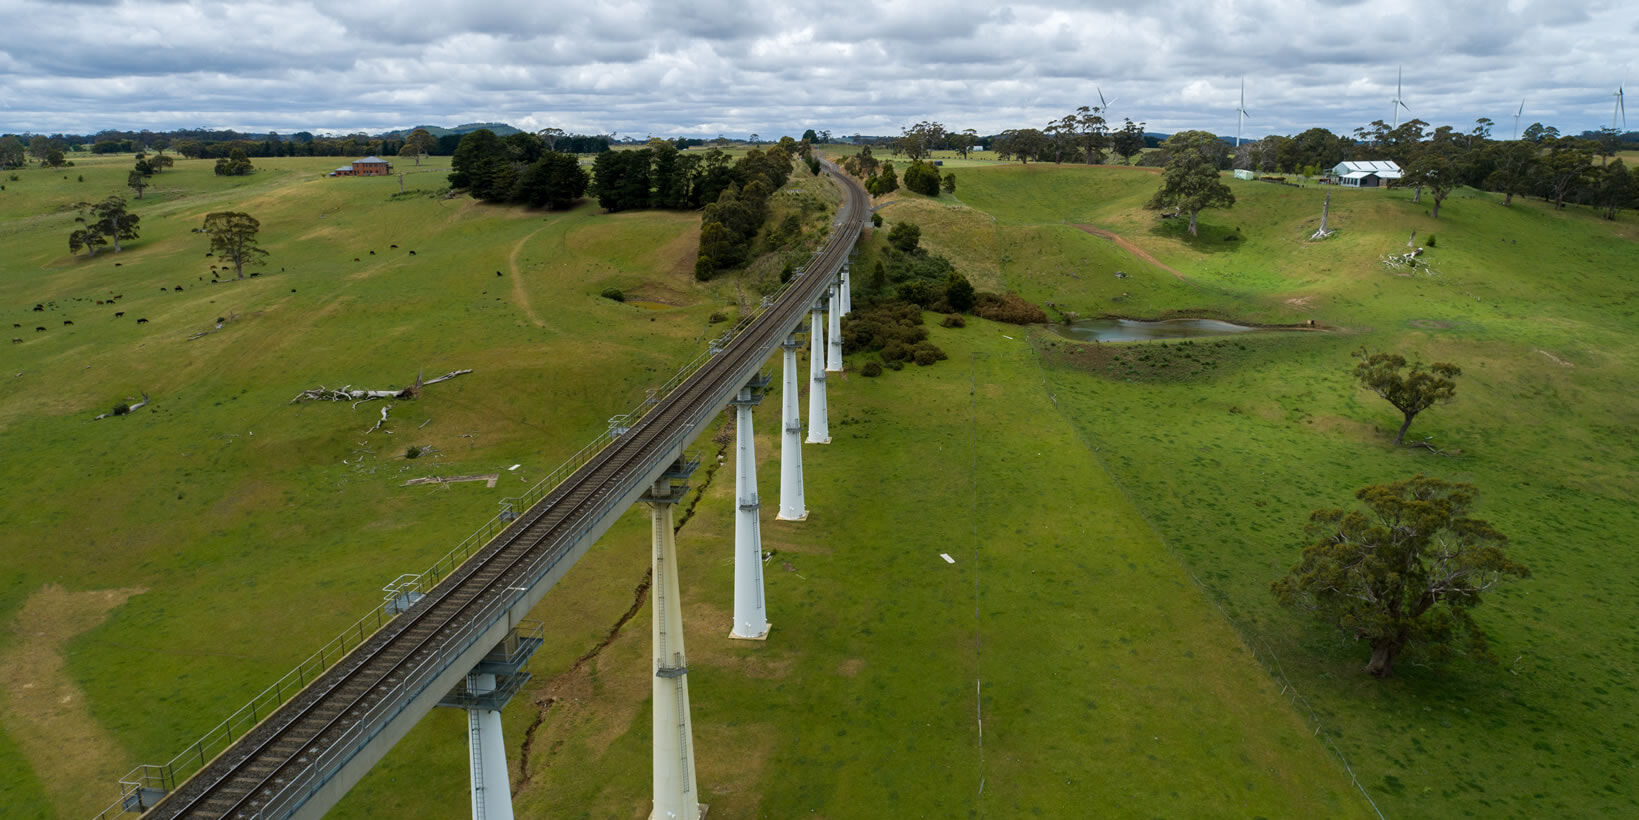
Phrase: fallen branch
[348,393]
[1424,443]
[123,409]
[380,421]
[219,323]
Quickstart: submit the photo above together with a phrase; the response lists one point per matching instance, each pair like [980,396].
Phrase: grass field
[1230,446]
[1114,528]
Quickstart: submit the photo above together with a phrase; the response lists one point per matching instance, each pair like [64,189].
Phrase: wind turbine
[1398,103]
[1517,115]
[1620,108]
[1103,105]
[1241,113]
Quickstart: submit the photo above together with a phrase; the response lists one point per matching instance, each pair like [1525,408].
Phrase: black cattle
[39,308]
[16,341]
[39,330]
[118,313]
[68,321]
[142,321]
[412,253]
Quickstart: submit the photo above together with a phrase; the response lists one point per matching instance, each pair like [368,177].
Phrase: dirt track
[1129,247]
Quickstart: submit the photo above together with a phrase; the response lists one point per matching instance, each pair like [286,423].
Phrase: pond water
[1133,330]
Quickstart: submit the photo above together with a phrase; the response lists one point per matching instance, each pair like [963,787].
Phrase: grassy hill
[1105,637]
[1226,446]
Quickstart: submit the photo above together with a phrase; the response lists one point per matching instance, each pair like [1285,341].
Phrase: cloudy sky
[705,67]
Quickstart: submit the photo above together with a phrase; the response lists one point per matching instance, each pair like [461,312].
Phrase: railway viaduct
[457,635]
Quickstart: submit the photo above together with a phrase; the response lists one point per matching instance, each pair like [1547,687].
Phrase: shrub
[922,178]
[871,370]
[895,351]
[614,294]
[413,451]
[905,236]
[950,183]
[121,409]
[953,320]
[703,267]
[718,317]
[1007,307]
[876,218]
[926,353]
[1431,240]
[896,365]
[959,292]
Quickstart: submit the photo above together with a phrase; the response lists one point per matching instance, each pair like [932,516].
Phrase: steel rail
[358,689]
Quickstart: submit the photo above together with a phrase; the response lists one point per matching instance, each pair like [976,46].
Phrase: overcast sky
[704,67]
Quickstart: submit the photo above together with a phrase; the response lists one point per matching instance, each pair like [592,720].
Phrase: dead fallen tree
[124,408]
[349,393]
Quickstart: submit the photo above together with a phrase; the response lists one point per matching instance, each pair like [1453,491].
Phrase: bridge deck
[290,761]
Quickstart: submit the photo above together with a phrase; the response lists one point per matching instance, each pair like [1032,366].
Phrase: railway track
[272,770]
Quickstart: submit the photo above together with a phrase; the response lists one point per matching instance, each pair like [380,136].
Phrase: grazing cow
[16,341]
[254,275]
[118,313]
[497,273]
[142,321]
[16,324]
[39,330]
[99,301]
[163,289]
[355,259]
[68,321]
[39,308]
[178,288]
[394,247]
[372,253]
[412,253]
[118,264]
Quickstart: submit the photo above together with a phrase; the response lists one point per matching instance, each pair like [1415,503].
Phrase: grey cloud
[773,66]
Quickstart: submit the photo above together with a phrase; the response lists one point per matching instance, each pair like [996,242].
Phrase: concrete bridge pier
[819,429]
[833,336]
[676,795]
[847,291]
[791,501]
[750,612]
[483,694]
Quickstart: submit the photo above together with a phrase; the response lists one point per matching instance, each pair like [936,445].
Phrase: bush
[703,268]
[953,320]
[926,353]
[950,183]
[871,370]
[413,451]
[1431,240]
[614,294]
[122,409]
[959,292]
[718,317]
[896,365]
[905,236]
[922,178]
[1007,307]
[876,218]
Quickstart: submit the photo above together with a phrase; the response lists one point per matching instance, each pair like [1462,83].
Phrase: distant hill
[501,129]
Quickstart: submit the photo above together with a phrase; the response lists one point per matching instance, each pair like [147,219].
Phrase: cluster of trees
[102,223]
[146,166]
[517,168]
[1082,135]
[48,151]
[235,164]
[1559,169]
[734,215]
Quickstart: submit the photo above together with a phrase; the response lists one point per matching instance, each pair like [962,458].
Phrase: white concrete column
[833,336]
[486,753]
[791,503]
[819,429]
[676,796]
[750,616]
[847,290]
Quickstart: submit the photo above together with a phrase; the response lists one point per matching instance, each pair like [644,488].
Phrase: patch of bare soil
[520,294]
[45,712]
[1555,359]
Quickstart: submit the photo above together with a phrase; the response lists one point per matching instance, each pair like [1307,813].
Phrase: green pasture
[1115,513]
[1227,445]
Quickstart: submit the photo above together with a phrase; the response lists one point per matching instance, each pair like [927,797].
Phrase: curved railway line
[273,770]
